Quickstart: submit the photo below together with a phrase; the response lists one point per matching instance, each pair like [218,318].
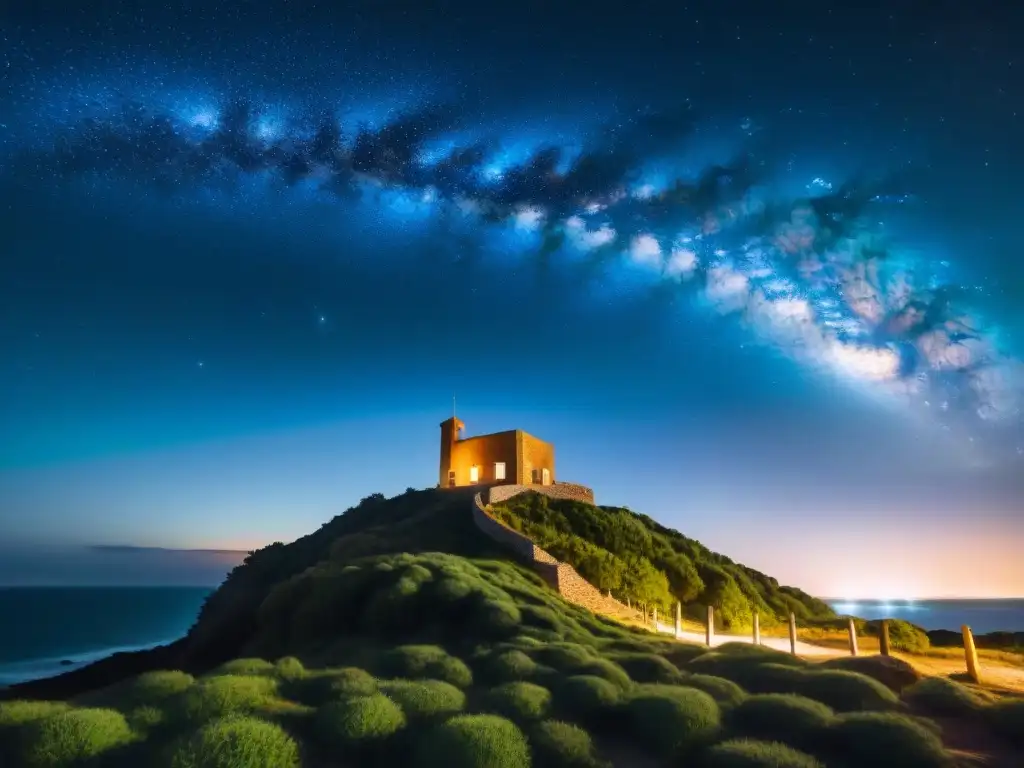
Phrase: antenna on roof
[453,406]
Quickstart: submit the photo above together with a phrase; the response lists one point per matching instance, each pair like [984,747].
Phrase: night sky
[755,273]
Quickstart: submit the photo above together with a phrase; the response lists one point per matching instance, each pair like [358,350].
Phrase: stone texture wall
[562,576]
[507,537]
[570,491]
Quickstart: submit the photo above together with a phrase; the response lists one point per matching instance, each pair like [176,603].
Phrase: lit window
[499,470]
[474,474]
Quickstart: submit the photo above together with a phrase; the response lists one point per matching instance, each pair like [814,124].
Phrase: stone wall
[501,533]
[562,576]
[570,491]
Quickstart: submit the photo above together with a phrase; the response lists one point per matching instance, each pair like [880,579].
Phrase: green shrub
[331,685]
[154,687]
[746,753]
[555,744]
[608,670]
[473,741]
[784,717]
[289,668]
[672,720]
[846,691]
[725,692]
[452,589]
[245,667]
[752,673]
[891,672]
[885,740]
[236,742]
[509,666]
[586,698]
[565,657]
[224,695]
[18,712]
[145,719]
[941,696]
[520,701]
[647,667]
[425,699]
[73,736]
[359,722]
[496,619]
[903,636]
[1006,718]
[425,662]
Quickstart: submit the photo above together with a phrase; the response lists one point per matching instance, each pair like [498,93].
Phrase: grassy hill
[397,634]
[637,558]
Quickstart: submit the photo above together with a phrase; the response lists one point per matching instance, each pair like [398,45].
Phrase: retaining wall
[562,576]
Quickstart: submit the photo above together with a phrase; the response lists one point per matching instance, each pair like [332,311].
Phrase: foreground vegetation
[434,659]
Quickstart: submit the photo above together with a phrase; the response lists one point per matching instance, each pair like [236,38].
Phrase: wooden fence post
[883,639]
[679,620]
[971,653]
[709,633]
[792,633]
[757,629]
[852,629]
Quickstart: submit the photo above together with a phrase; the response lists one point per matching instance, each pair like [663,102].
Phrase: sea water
[982,616]
[43,628]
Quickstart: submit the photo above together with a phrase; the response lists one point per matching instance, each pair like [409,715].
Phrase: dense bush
[520,701]
[358,723]
[940,696]
[895,674]
[473,741]
[425,662]
[784,717]
[245,667]
[223,695]
[73,736]
[647,667]
[725,692]
[555,744]
[586,698]
[425,699]
[289,668]
[746,753]
[672,720]
[845,691]
[236,742]
[885,740]
[509,666]
[326,685]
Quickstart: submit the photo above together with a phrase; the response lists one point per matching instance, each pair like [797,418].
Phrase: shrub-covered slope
[438,660]
[637,558]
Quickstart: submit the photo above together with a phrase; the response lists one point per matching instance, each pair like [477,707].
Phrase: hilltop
[398,633]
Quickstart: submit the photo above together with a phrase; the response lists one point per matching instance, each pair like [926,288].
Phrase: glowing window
[499,470]
[545,475]
[474,474]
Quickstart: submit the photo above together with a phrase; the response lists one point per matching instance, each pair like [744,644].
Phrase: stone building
[502,458]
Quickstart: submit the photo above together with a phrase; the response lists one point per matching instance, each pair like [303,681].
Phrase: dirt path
[778,643]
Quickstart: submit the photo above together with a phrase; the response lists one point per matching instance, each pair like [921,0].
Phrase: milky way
[811,277]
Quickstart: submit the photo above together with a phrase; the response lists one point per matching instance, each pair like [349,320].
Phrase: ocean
[44,626]
[982,616]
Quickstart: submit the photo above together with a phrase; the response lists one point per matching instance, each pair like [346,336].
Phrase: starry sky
[754,273]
